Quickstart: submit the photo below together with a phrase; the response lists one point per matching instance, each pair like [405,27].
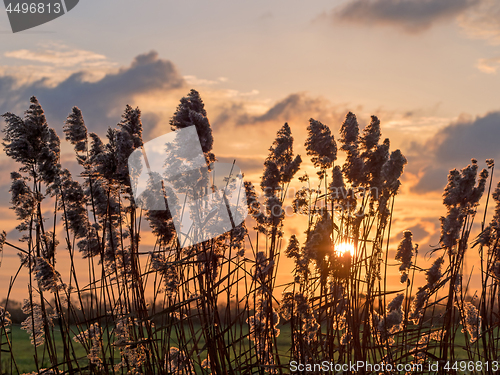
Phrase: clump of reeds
[212,307]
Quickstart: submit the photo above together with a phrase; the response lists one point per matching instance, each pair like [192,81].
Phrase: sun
[344,248]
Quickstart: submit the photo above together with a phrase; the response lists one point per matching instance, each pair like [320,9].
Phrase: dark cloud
[7,166]
[419,232]
[410,15]
[432,179]
[102,101]
[289,107]
[150,123]
[295,107]
[478,138]
[416,225]
[454,147]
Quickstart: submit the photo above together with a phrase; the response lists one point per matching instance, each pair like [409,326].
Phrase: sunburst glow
[344,248]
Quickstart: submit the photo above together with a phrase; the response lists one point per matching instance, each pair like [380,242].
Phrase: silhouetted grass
[213,307]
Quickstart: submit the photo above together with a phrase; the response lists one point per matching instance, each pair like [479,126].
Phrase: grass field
[24,351]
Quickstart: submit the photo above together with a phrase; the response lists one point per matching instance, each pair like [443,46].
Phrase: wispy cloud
[193,80]
[59,58]
[483,21]
[54,63]
[411,16]
[489,66]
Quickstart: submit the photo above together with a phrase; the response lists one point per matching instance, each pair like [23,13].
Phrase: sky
[429,69]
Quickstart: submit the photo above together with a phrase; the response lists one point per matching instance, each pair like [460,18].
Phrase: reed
[213,307]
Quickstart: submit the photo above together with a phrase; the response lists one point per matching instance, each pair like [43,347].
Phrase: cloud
[419,232]
[59,58]
[431,179]
[466,139]
[483,21]
[289,107]
[195,81]
[248,126]
[298,107]
[454,146]
[408,15]
[7,166]
[244,128]
[54,63]
[489,66]
[101,101]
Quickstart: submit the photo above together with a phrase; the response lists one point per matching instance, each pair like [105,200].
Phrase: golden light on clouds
[55,62]
[489,66]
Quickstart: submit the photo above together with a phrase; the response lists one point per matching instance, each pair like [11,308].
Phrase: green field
[24,352]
